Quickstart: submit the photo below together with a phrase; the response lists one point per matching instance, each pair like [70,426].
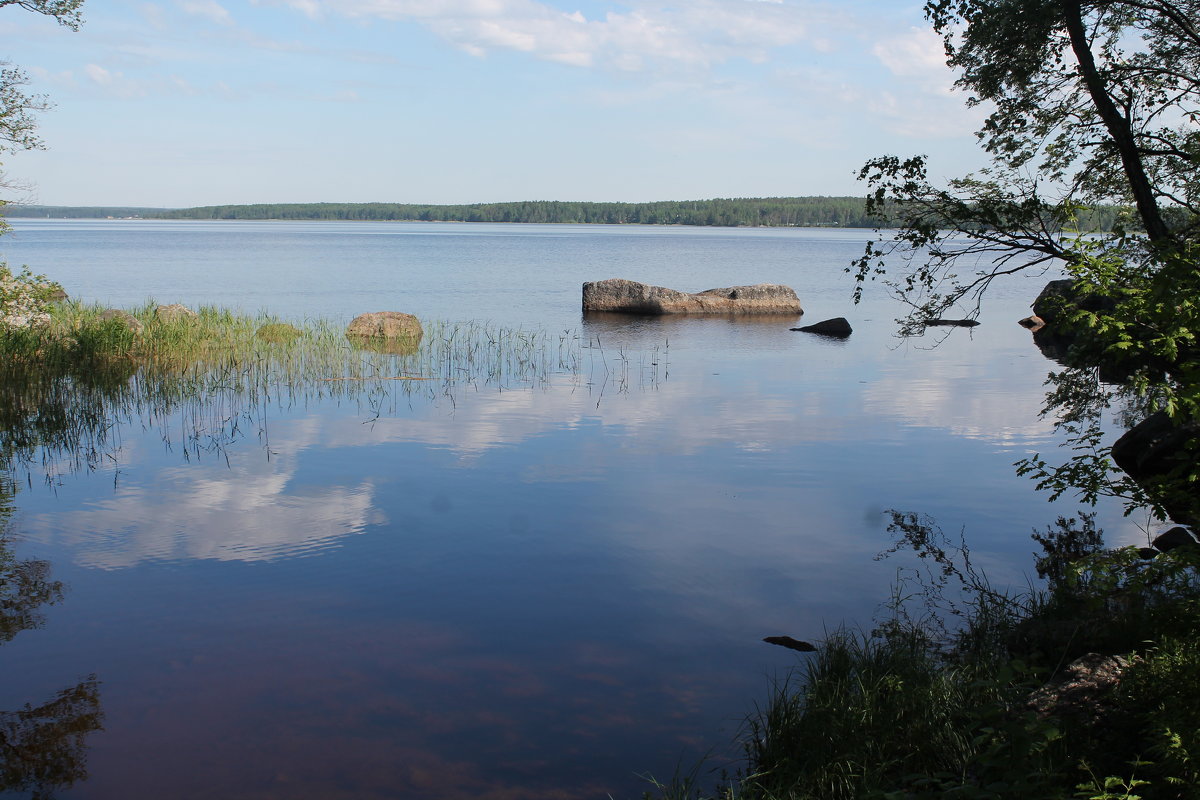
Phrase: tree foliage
[1091,102]
[18,108]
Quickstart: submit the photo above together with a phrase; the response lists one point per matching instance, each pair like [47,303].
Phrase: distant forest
[77,212]
[772,211]
[840,212]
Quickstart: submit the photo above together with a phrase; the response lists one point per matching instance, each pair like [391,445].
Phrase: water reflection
[42,748]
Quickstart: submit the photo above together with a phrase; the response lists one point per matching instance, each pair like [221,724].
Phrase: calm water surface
[539,592]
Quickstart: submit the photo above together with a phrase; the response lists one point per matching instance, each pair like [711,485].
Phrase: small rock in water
[838,326]
[1033,322]
[957,323]
[386,325]
[790,643]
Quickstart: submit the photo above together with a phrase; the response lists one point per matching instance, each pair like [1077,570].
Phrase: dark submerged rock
[957,323]
[838,326]
[791,644]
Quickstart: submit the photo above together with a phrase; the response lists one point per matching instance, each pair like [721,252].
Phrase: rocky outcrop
[1174,538]
[175,312]
[1160,455]
[1060,298]
[386,325]
[1082,691]
[631,297]
[838,326]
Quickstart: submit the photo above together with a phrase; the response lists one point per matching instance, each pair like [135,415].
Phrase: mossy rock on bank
[175,312]
[278,332]
[115,316]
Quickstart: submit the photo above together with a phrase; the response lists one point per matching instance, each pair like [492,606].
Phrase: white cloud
[915,54]
[924,104]
[701,33]
[209,9]
[98,74]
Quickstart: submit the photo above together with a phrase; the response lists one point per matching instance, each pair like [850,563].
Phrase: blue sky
[195,102]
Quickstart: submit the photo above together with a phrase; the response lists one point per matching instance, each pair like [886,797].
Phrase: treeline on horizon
[77,212]
[840,212]
[740,212]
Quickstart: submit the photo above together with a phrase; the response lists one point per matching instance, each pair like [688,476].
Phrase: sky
[175,103]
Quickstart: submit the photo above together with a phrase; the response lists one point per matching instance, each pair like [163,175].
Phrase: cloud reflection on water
[255,509]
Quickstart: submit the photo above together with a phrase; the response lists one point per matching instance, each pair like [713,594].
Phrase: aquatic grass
[71,384]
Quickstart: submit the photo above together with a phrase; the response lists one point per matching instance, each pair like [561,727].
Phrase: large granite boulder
[386,325]
[631,297]
[1059,298]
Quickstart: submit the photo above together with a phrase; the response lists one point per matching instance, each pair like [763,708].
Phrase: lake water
[507,591]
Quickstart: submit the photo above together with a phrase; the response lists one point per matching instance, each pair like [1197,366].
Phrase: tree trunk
[1118,127]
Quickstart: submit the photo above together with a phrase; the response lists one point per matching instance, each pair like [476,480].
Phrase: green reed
[70,387]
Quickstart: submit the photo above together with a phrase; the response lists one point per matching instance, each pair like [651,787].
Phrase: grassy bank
[1088,687]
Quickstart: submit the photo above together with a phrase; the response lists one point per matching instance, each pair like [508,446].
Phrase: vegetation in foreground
[911,710]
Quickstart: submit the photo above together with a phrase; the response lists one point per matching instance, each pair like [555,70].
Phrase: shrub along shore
[1086,688]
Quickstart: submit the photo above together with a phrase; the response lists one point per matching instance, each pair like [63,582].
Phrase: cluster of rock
[617,295]
[25,299]
[1158,450]
[173,313]
[630,297]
